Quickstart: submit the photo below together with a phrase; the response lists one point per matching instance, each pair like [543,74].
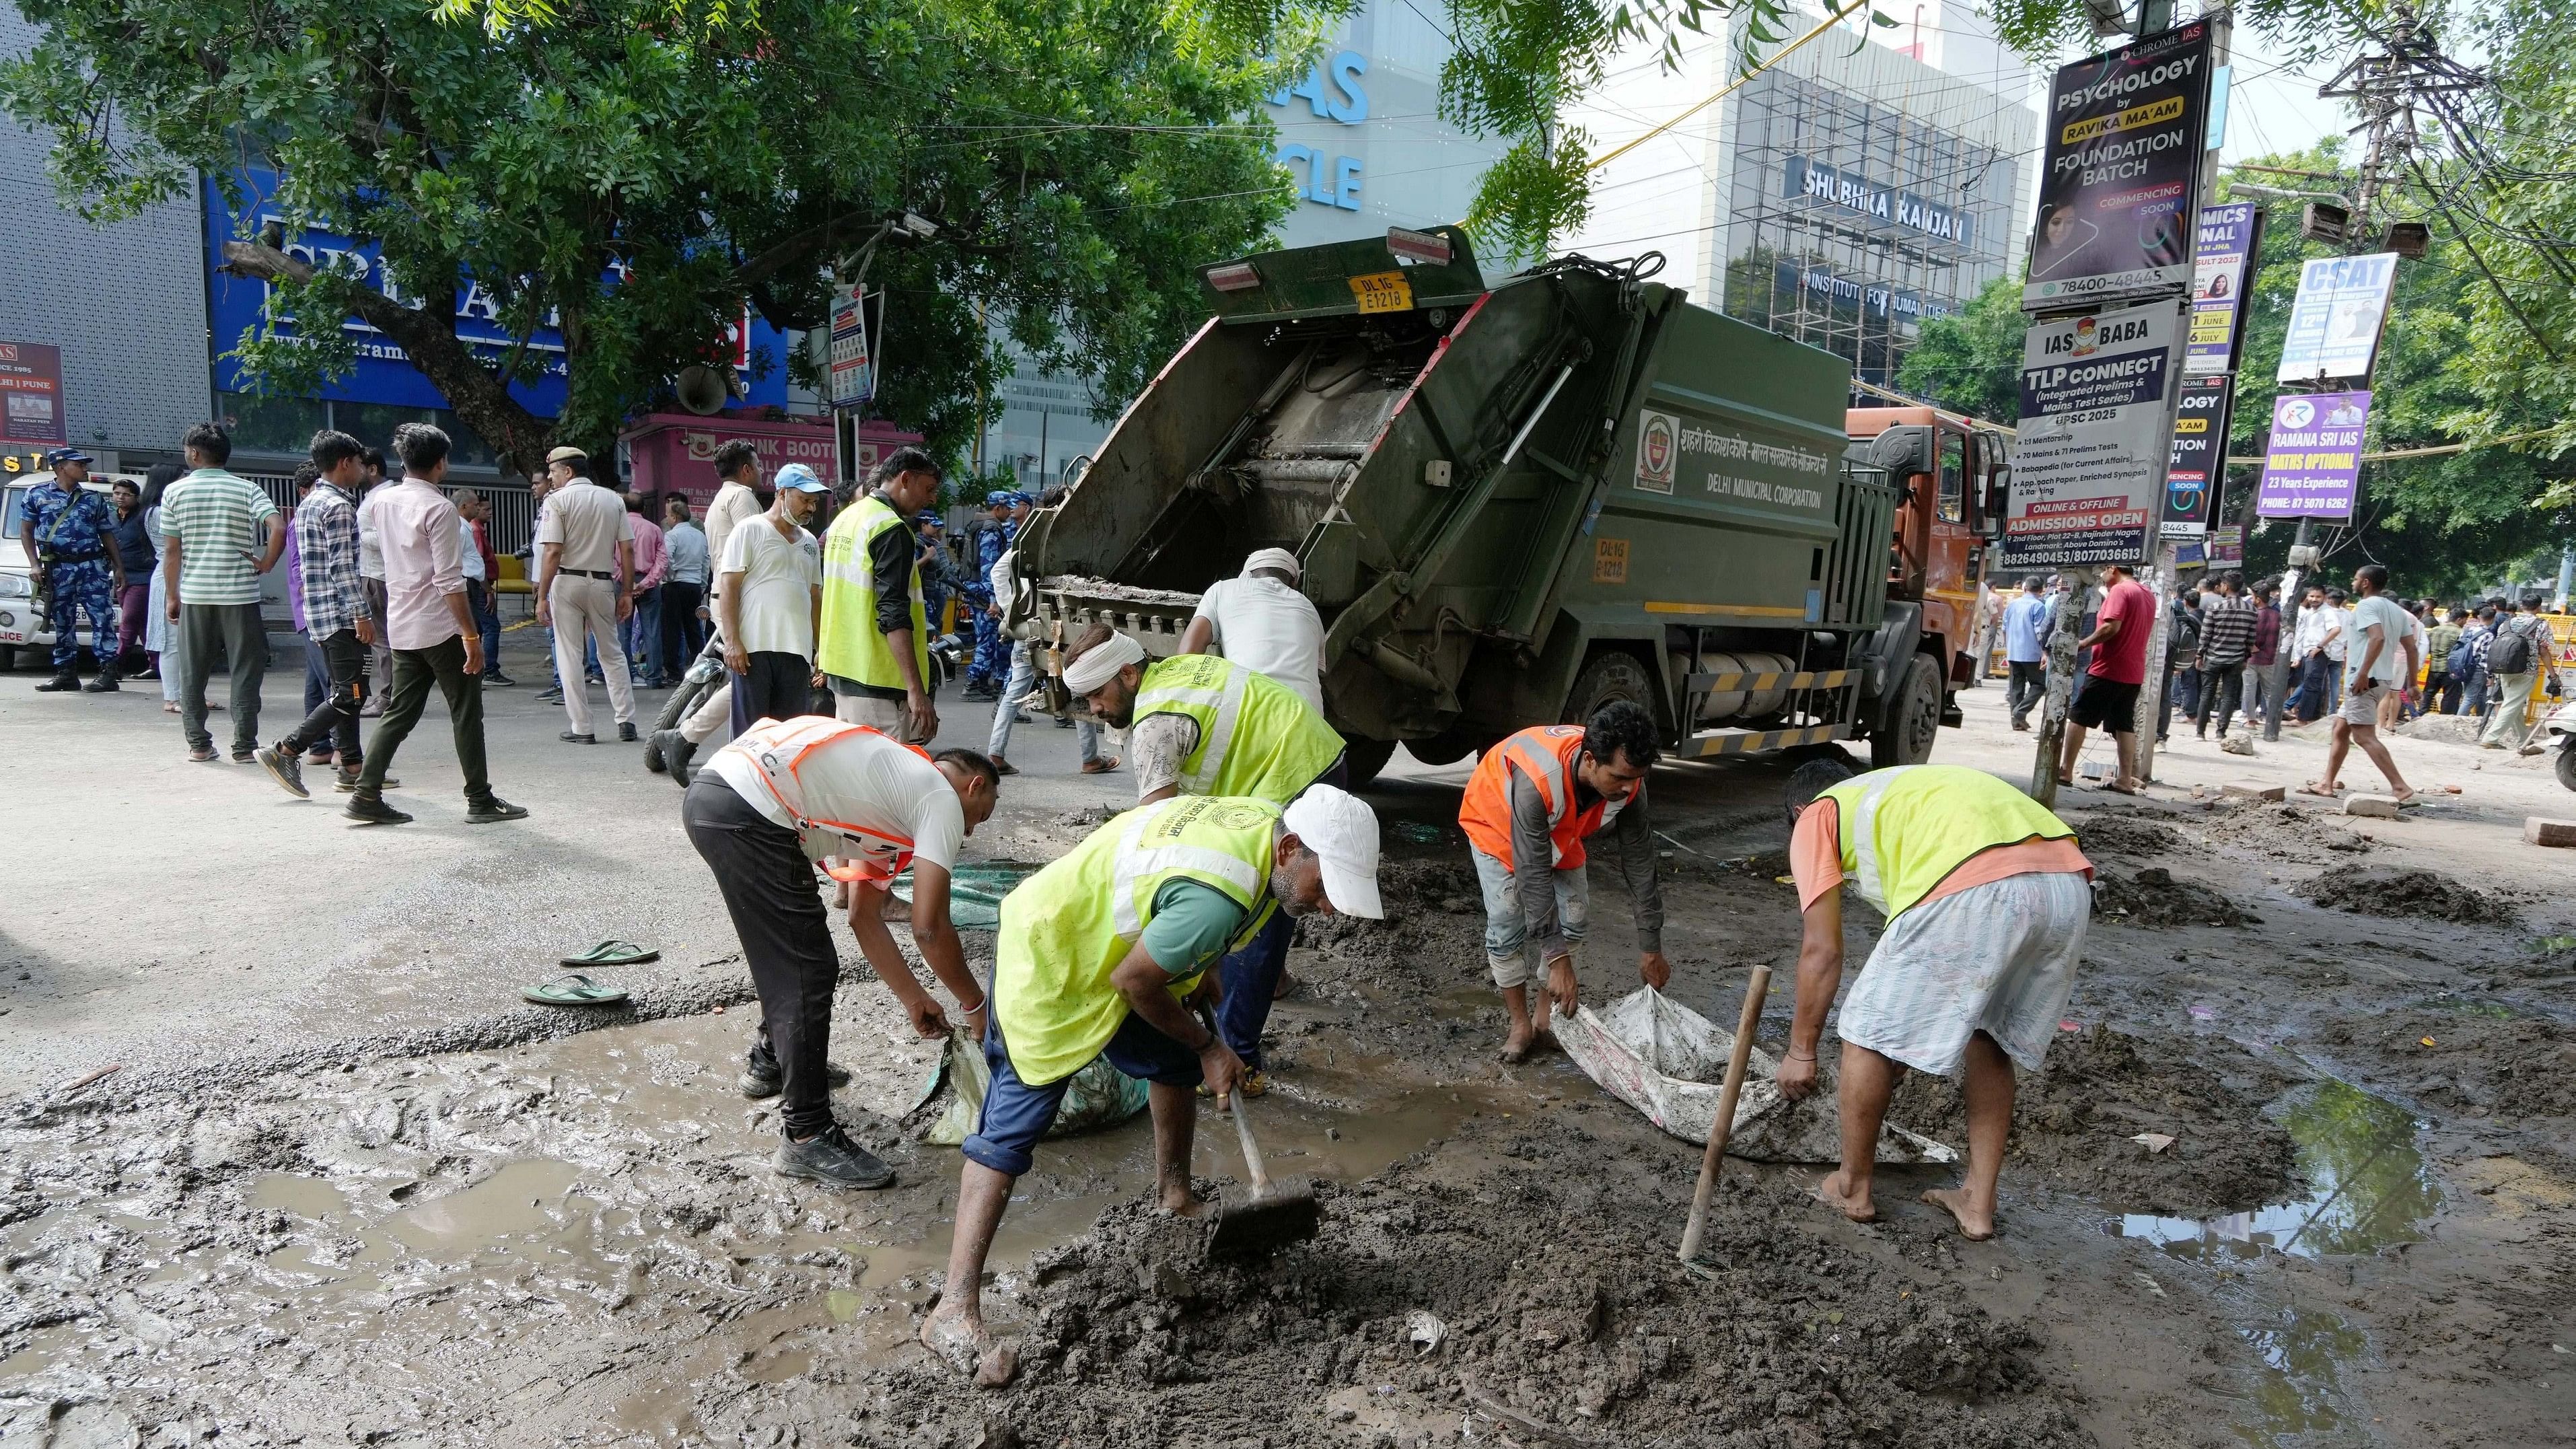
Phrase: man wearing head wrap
[1201,725]
[1263,623]
[1098,956]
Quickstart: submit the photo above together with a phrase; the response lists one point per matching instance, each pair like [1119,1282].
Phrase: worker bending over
[781,796]
[1098,954]
[1986,899]
[1533,801]
[1201,725]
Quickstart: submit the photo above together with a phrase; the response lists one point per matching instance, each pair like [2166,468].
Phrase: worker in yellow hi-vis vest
[1986,899]
[875,646]
[1098,956]
[1201,725]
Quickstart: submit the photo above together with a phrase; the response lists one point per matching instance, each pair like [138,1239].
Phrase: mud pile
[2154,899]
[2072,1123]
[2099,835]
[1538,1299]
[2476,1058]
[2272,827]
[2421,895]
[1434,923]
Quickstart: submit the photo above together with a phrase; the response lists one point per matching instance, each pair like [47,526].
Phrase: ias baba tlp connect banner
[2088,463]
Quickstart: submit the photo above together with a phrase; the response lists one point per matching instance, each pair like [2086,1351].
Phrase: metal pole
[2289,633]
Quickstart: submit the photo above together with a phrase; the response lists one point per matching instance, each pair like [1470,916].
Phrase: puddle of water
[524,1197]
[2304,1353]
[2368,1188]
[305,1197]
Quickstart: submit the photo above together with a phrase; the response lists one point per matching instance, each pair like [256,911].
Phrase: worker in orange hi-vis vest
[1533,801]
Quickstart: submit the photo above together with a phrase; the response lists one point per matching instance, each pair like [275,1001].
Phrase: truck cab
[1951,472]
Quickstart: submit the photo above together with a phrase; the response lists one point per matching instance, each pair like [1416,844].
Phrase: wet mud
[2401,894]
[2155,899]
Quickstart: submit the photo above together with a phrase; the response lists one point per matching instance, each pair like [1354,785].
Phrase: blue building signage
[383,371]
[1333,92]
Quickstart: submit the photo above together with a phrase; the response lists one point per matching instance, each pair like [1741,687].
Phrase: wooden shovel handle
[1724,1123]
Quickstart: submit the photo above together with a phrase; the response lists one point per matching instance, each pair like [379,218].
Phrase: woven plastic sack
[1101,1096]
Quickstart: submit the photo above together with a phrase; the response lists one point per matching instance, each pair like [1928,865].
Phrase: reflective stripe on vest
[779,747]
[1545,755]
[1257,737]
[1066,930]
[1906,828]
[851,645]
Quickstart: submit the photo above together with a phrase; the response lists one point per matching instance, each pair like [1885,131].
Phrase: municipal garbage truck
[1516,501]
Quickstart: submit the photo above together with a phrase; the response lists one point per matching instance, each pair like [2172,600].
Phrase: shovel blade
[1252,1226]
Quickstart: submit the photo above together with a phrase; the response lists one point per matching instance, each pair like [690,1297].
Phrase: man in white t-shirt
[762,811]
[769,603]
[2379,647]
[737,498]
[1261,622]
[586,588]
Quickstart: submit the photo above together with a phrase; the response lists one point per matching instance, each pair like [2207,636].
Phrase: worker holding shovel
[1101,954]
[1986,899]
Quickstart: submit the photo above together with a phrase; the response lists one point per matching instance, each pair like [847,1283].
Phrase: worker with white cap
[1099,955]
[1201,725]
[1260,621]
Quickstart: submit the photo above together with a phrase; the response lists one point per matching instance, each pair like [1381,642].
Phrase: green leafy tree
[636,172]
[1971,360]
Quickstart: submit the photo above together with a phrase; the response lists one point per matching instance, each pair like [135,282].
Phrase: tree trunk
[481,400]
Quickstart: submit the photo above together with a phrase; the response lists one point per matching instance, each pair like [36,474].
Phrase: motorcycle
[707,673]
[2561,727]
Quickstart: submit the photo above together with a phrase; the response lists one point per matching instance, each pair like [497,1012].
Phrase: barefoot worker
[1529,807]
[1097,955]
[1201,725]
[788,793]
[1986,899]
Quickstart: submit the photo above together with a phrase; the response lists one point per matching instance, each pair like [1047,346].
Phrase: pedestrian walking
[586,589]
[643,628]
[339,633]
[434,638]
[1533,801]
[2381,651]
[769,604]
[2517,656]
[317,674]
[2113,679]
[2478,637]
[1201,725]
[69,533]
[1098,956]
[371,568]
[2442,671]
[783,796]
[737,501]
[1985,900]
[135,555]
[2025,660]
[220,534]
[2182,660]
[2319,629]
[2229,620]
[875,644]
[482,575]
[2267,649]
[989,668]
[160,635]
[684,588]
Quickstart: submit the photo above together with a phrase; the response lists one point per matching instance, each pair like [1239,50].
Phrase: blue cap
[800,478]
[999,498]
[929,518]
[66,455]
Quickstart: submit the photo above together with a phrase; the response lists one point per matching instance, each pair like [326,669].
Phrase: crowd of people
[2401,658]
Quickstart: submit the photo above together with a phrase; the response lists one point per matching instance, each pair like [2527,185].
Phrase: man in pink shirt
[2110,685]
[431,631]
[643,628]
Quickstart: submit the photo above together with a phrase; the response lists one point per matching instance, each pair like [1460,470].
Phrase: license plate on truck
[1383,292]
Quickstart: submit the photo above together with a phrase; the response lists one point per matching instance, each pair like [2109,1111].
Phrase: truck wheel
[1906,736]
[1611,676]
[1445,748]
[1362,759]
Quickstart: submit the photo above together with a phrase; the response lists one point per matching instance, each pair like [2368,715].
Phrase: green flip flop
[613,953]
[573,990]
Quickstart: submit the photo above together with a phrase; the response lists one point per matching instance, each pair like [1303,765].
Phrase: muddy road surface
[2302,1172]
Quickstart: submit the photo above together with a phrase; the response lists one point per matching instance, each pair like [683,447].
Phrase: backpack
[2511,653]
[2458,661]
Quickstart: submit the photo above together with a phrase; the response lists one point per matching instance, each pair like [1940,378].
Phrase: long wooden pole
[1724,1123]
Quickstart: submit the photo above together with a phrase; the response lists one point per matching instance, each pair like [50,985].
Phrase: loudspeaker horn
[701,389]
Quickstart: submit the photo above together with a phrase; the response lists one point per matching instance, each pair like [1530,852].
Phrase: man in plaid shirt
[2228,620]
[336,616]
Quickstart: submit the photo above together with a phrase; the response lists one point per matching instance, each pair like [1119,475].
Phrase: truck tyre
[1445,748]
[1610,676]
[1913,718]
[1362,759]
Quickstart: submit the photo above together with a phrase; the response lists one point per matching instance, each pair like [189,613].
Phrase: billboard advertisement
[31,393]
[2334,324]
[2199,462]
[2312,465]
[2124,133]
[853,363]
[2221,250]
[2088,466]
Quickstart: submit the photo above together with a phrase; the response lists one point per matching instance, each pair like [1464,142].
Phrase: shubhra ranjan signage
[1845,194]
[2088,463]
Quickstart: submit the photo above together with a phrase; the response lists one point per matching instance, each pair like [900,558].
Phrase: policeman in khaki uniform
[1202,725]
[1097,957]
[875,647]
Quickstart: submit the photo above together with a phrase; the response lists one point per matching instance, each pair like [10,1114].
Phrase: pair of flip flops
[576,989]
